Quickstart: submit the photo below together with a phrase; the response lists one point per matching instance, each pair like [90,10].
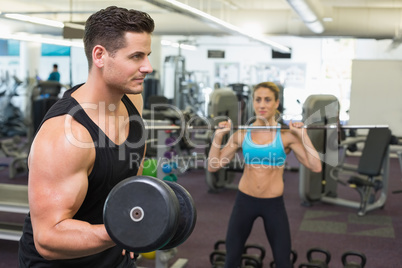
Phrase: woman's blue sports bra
[272,154]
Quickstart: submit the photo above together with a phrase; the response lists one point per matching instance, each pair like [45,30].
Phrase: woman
[261,185]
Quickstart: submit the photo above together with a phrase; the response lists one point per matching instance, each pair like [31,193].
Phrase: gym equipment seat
[371,174]
[370,166]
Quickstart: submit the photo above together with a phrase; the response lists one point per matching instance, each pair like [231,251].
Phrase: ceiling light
[177,45]
[74,25]
[36,20]
[307,15]
[184,9]
[40,39]
[188,47]
[315,26]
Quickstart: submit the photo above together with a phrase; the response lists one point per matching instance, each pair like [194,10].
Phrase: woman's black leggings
[245,211]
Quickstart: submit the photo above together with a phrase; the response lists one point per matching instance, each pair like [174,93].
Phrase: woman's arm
[218,157]
[303,148]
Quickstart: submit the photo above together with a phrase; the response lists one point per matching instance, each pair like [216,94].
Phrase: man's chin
[135,90]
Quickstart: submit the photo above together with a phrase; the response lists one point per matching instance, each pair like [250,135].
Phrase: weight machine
[223,105]
[181,86]
[369,178]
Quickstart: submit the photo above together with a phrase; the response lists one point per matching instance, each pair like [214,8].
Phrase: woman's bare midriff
[262,181]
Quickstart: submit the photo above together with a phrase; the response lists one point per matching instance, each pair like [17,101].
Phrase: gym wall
[376,94]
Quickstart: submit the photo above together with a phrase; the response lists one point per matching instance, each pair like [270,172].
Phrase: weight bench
[397,149]
[371,174]
[13,199]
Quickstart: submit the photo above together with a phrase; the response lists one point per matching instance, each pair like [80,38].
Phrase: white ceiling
[379,19]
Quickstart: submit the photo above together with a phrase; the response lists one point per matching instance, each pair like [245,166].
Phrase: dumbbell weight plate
[187,218]
[141,214]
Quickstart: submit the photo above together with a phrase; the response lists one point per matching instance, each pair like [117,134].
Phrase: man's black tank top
[113,163]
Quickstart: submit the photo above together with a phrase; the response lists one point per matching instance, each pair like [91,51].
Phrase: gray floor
[338,229]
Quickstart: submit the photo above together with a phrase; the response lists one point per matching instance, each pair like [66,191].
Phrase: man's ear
[98,54]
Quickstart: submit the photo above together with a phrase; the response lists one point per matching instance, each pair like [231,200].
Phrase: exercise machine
[320,110]
[11,116]
[223,105]
[369,177]
[183,88]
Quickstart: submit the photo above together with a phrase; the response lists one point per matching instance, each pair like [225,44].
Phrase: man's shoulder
[137,101]
[64,130]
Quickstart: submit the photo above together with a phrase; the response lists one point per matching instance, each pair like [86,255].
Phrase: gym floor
[337,229]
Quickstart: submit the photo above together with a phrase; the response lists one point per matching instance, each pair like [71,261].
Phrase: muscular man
[89,141]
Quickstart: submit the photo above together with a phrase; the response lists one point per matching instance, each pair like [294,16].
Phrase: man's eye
[137,56]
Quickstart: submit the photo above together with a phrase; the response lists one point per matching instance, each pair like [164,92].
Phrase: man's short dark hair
[108,26]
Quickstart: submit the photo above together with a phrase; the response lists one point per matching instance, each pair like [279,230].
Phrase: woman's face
[264,103]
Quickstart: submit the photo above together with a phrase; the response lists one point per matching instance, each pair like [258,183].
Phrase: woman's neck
[261,122]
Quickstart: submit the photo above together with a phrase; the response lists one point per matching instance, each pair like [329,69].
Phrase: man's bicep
[57,178]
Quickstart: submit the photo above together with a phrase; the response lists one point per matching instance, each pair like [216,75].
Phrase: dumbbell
[248,261]
[256,259]
[144,214]
[219,244]
[293,259]
[352,264]
[217,259]
[314,263]
[252,255]
[309,265]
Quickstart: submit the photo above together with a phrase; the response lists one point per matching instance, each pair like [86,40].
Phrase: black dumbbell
[217,259]
[249,261]
[255,252]
[309,265]
[352,264]
[314,263]
[144,214]
[219,245]
[293,259]
[252,256]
